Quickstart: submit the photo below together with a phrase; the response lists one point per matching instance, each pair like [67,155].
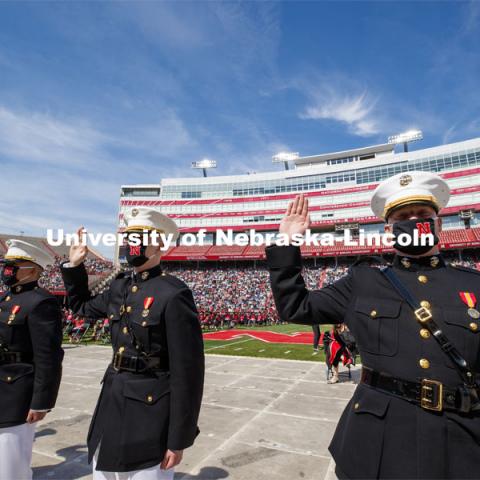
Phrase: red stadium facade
[339,186]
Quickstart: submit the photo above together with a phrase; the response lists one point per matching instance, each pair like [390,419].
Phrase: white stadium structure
[339,187]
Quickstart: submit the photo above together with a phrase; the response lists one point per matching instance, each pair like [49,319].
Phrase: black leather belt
[137,364]
[14,357]
[428,394]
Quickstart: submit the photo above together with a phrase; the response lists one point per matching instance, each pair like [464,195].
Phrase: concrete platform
[261,419]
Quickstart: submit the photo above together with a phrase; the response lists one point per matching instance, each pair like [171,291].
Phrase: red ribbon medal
[147,303]
[470,300]
[15,310]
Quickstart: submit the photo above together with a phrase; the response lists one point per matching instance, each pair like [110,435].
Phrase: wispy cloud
[35,136]
[66,172]
[365,110]
[355,110]
[75,142]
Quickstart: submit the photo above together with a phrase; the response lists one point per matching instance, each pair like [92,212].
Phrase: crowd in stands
[227,296]
[466,262]
[51,278]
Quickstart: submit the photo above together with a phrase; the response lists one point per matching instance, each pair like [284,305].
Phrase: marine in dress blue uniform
[408,418]
[30,355]
[152,390]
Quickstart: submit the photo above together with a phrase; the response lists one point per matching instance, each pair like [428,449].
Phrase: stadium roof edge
[319,167]
[355,152]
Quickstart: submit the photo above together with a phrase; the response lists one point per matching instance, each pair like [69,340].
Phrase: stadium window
[141,192]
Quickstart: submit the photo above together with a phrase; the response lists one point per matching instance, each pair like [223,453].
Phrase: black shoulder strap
[424,317]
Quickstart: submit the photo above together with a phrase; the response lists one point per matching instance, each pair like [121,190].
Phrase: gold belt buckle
[427,398]
[423,314]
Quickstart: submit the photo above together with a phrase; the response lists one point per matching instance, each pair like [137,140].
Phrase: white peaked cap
[20,250]
[139,219]
[407,189]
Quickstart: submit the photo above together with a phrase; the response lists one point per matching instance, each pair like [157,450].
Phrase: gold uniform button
[7,299]
[473,326]
[121,349]
[422,279]
[144,324]
[373,313]
[424,333]
[356,406]
[125,330]
[129,309]
[149,399]
[424,363]
[134,289]
[425,304]
[9,379]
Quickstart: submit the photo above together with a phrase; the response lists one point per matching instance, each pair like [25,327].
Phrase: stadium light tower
[406,138]
[285,157]
[204,164]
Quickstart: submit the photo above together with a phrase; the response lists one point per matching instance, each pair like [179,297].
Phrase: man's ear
[439,224]
[387,228]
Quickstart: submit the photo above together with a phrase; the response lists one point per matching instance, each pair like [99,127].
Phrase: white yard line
[228,345]
[278,414]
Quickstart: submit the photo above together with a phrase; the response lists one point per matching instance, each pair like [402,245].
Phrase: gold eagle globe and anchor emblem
[405,180]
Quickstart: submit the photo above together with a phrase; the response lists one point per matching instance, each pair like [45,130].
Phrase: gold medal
[473,312]
[11,318]
[145,313]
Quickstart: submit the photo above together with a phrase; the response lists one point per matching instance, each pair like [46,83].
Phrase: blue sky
[97,94]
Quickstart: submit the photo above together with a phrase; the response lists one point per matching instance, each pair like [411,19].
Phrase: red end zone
[305,338]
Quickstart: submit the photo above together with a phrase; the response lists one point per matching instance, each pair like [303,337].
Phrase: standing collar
[24,287]
[147,274]
[433,262]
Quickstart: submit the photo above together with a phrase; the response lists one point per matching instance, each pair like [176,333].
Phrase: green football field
[250,347]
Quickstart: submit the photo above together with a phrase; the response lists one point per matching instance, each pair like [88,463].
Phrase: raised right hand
[296,219]
[79,252]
